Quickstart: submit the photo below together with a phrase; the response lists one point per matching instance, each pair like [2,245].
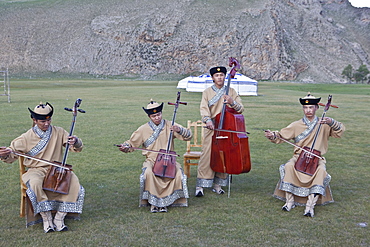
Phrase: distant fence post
[4,79]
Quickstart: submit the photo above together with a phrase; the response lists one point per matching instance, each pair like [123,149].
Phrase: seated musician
[295,187]
[45,141]
[213,99]
[156,191]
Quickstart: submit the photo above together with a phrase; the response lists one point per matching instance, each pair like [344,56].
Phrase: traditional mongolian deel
[53,151]
[211,105]
[43,147]
[304,188]
[154,190]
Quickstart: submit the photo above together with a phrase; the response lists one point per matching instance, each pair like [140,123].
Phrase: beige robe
[154,190]
[206,176]
[40,199]
[298,183]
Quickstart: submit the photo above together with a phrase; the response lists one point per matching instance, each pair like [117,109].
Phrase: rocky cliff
[300,40]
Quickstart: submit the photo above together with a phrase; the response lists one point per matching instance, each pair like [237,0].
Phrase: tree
[361,73]
[348,72]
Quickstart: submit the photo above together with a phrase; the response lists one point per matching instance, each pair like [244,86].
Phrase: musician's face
[42,124]
[156,118]
[310,111]
[219,79]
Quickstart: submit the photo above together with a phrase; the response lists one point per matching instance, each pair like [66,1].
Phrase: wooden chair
[194,146]
[22,170]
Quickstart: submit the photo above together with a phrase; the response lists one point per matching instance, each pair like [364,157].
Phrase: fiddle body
[306,162]
[55,182]
[165,164]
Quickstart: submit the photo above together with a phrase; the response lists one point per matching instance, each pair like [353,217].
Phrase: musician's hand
[4,151]
[209,125]
[326,120]
[175,128]
[125,147]
[72,140]
[269,134]
[228,99]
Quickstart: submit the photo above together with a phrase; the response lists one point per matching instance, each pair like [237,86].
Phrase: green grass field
[250,217]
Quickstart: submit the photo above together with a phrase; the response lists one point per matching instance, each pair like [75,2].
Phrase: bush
[360,75]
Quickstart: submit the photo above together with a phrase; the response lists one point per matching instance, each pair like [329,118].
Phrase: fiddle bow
[304,150]
[148,150]
[58,179]
[41,160]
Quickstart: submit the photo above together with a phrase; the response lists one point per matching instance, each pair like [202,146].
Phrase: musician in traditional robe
[295,187]
[155,191]
[213,99]
[45,141]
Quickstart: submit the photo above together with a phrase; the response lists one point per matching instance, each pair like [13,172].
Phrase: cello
[58,179]
[165,164]
[230,148]
[308,160]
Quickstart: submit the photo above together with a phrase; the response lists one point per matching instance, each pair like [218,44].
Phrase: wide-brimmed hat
[309,99]
[42,111]
[153,107]
[215,70]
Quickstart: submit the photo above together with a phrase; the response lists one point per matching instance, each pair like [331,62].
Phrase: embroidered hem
[208,183]
[300,191]
[165,201]
[69,207]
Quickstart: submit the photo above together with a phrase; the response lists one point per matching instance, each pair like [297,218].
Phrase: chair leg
[22,212]
[187,169]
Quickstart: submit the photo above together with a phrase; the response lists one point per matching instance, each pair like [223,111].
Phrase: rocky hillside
[300,40]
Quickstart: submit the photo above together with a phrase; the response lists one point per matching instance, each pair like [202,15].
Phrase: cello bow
[230,131]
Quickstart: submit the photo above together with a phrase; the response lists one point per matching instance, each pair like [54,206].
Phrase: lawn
[250,217]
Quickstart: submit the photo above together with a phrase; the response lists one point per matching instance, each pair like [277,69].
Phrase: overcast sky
[360,3]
